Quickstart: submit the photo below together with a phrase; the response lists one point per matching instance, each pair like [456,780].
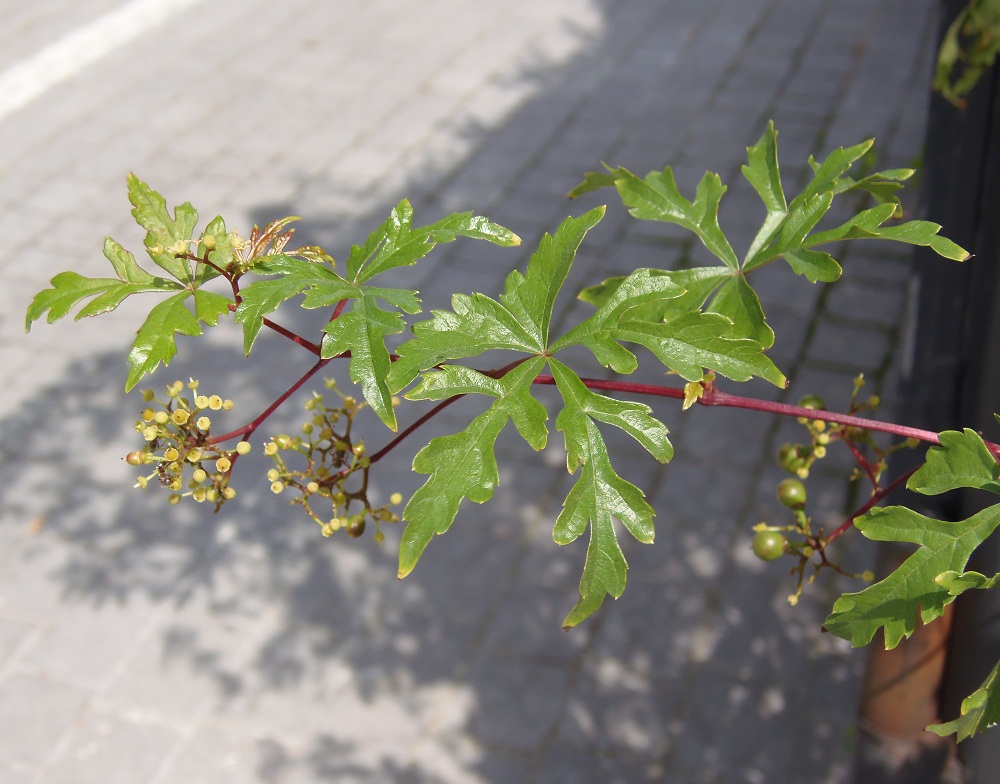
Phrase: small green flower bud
[150,433]
[148,414]
[228,405]
[270,448]
[277,487]
[313,487]
[199,475]
[161,417]
[201,401]
[229,493]
[396,499]
[193,456]
[209,242]
[203,423]
[223,464]
[147,395]
[174,499]
[273,475]
[215,402]
[199,495]
[243,447]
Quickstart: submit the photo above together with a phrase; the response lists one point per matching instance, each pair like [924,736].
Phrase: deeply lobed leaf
[979,711]
[912,591]
[463,465]
[599,494]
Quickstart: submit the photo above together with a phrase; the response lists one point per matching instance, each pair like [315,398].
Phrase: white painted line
[22,83]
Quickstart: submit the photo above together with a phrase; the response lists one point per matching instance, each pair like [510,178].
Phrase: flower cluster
[179,446]
[330,457]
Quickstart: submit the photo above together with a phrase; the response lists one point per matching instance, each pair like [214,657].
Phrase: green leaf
[69,288]
[633,418]
[697,284]
[599,494]
[518,322]
[657,198]
[128,270]
[979,711]
[396,243]
[957,583]
[763,173]
[961,460]
[210,307]
[476,323]
[463,465]
[221,255]
[911,591]
[738,302]
[868,224]
[532,296]
[362,331]
[265,296]
[154,342]
[696,341]
[816,266]
[453,380]
[593,181]
[162,230]
[642,289]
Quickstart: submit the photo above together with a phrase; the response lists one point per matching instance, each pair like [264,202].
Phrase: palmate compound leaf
[155,340]
[519,321]
[787,229]
[463,465]
[599,494]
[933,576]
[979,711]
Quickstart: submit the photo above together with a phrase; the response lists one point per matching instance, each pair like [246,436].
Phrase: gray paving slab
[155,645]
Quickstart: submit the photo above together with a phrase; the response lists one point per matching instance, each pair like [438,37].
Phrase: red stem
[246,430]
[877,496]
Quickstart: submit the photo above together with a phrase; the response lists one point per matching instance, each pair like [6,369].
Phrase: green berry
[792,493]
[768,545]
[134,458]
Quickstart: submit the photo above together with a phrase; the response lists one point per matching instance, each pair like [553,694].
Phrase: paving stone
[112,748]
[36,715]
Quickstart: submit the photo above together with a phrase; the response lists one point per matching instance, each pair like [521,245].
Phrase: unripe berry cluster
[329,457]
[177,432]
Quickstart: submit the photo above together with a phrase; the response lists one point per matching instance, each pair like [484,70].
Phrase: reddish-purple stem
[877,496]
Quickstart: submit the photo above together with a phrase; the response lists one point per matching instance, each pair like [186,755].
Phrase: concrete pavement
[146,644]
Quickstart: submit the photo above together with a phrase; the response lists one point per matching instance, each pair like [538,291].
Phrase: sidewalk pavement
[146,644]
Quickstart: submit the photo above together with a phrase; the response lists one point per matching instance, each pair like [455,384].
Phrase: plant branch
[877,496]
[248,429]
